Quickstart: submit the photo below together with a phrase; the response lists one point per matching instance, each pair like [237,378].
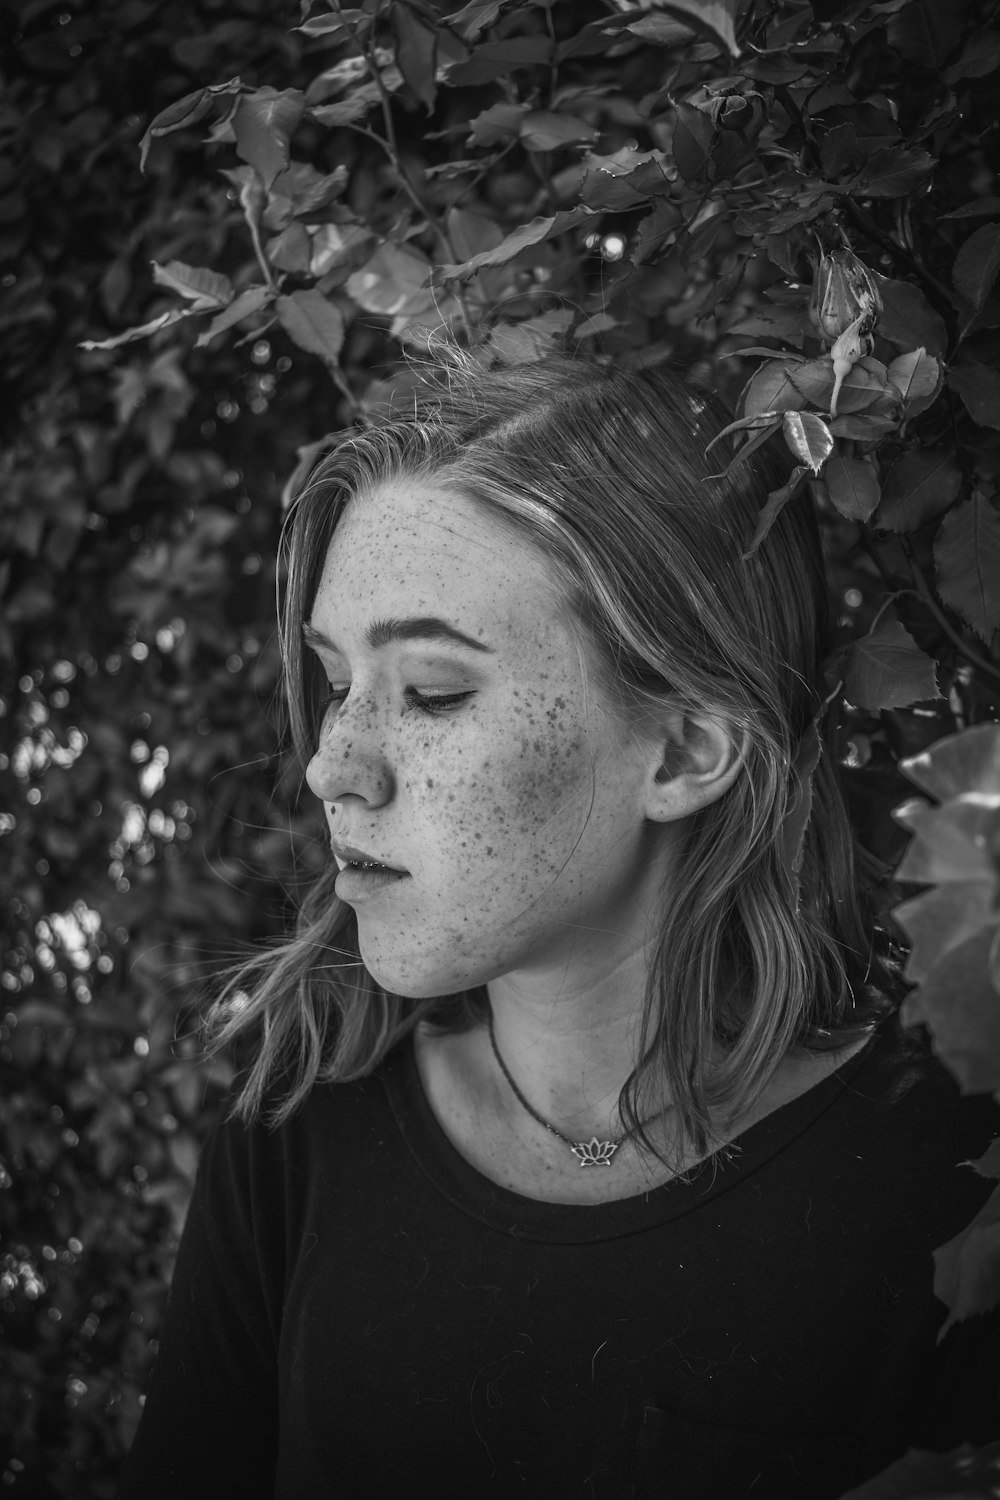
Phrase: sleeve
[210,1422]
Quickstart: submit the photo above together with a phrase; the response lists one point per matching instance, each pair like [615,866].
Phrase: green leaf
[542,228]
[887,669]
[961,1008]
[263,125]
[863,427]
[919,486]
[545,130]
[853,486]
[195,283]
[291,250]
[786,323]
[476,16]
[416,54]
[662,31]
[313,323]
[908,320]
[951,842]
[808,437]
[893,173]
[354,107]
[979,388]
[917,377]
[692,141]
[247,302]
[144,330]
[967,557]
[980,56]
[501,122]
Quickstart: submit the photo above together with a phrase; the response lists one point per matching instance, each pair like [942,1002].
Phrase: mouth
[361,875]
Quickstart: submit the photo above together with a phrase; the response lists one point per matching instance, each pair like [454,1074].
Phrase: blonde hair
[764,941]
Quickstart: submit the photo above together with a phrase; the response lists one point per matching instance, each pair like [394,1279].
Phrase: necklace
[592,1153]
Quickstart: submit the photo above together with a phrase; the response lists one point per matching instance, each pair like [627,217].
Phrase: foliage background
[680,178]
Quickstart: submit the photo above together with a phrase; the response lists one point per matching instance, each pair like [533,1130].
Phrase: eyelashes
[435,704]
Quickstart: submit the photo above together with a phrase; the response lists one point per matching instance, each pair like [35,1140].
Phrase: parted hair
[766,940]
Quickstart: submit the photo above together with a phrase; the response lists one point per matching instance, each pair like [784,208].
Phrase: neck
[570,1051]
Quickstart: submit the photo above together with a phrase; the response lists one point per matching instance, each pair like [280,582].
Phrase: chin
[412,979]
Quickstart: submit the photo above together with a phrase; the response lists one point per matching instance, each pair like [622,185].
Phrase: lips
[353,857]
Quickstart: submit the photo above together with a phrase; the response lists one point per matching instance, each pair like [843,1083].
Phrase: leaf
[662,31]
[764,423]
[863,427]
[988,1165]
[967,1268]
[967,556]
[291,250]
[772,389]
[988,207]
[786,323]
[917,378]
[195,283]
[501,122]
[980,56]
[476,16]
[961,1008]
[143,331]
[892,173]
[938,920]
[776,502]
[692,141]
[919,486]
[416,54]
[979,388]
[186,111]
[313,323]
[958,764]
[545,130]
[951,842]
[394,283]
[542,228]
[808,437]
[716,18]
[908,320]
[923,1475]
[493,60]
[247,302]
[887,669]
[977,264]
[853,486]
[357,104]
[263,125]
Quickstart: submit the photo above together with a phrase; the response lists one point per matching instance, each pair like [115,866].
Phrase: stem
[924,590]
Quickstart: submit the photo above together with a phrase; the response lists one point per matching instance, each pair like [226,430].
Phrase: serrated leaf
[919,486]
[542,228]
[952,842]
[968,762]
[195,283]
[915,375]
[263,125]
[247,302]
[313,323]
[776,502]
[189,110]
[887,669]
[979,388]
[977,264]
[961,1008]
[967,557]
[937,921]
[808,437]
[853,486]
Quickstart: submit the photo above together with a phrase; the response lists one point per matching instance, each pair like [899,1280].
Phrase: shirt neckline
[506,1211]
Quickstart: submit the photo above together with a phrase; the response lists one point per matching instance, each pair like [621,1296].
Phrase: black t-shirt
[357,1311]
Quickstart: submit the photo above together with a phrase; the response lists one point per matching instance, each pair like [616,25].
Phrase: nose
[350,761]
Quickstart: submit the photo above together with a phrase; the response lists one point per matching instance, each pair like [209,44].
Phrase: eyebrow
[385,632]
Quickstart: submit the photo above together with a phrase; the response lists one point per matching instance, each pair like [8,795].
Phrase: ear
[698,757]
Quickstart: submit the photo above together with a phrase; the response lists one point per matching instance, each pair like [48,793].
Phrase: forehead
[415,546]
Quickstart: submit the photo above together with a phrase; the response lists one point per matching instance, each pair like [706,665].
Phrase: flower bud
[844,293]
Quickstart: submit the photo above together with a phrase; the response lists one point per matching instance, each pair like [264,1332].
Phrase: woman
[580,1154]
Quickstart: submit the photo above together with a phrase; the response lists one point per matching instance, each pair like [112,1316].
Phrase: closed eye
[428,703]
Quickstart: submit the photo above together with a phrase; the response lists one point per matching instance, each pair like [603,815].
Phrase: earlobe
[701,756]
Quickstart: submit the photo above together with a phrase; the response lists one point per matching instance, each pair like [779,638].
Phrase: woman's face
[464,747]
